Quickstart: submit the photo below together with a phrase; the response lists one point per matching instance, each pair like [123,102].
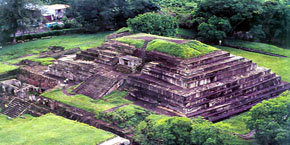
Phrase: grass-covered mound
[84,102]
[185,50]
[5,68]
[138,43]
[49,130]
[172,46]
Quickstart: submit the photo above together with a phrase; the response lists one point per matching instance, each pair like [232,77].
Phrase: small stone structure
[17,88]
[130,61]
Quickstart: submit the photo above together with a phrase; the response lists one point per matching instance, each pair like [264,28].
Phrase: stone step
[240,89]
[15,108]
[237,98]
[108,52]
[102,56]
[207,59]
[248,104]
[236,68]
[98,86]
[87,57]
[90,52]
[247,101]
[107,61]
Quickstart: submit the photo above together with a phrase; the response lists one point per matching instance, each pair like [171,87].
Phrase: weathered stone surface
[100,84]
[214,86]
[33,77]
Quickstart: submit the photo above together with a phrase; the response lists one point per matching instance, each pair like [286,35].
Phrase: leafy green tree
[181,131]
[275,20]
[215,28]
[96,15]
[16,15]
[154,23]
[257,32]
[271,120]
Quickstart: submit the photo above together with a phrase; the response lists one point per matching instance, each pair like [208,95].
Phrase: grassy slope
[236,124]
[6,68]
[260,46]
[281,66]
[84,41]
[49,129]
[80,101]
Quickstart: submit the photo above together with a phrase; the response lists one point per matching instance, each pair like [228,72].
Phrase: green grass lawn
[4,68]
[43,61]
[49,130]
[236,124]
[84,41]
[260,46]
[280,66]
[125,117]
[81,101]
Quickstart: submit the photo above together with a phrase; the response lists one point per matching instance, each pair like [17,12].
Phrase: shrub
[271,120]
[154,24]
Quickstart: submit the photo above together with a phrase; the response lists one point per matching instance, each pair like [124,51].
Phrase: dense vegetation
[107,14]
[15,16]
[48,129]
[154,23]
[163,130]
[265,20]
[271,120]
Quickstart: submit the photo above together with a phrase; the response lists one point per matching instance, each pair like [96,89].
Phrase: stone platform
[215,86]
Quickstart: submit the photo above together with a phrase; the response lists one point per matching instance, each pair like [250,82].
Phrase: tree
[274,19]
[154,23]
[271,120]
[181,131]
[97,15]
[16,15]
[215,28]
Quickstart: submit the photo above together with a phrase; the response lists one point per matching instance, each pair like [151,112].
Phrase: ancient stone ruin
[213,84]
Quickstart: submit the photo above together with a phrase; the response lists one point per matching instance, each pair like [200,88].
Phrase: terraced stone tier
[215,86]
[75,70]
[99,85]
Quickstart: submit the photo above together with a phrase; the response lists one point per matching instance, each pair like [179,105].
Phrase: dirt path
[248,136]
[115,108]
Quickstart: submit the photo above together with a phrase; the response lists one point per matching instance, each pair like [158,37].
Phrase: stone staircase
[15,108]
[100,84]
[215,86]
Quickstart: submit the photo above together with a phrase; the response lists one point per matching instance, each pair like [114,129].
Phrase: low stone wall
[35,79]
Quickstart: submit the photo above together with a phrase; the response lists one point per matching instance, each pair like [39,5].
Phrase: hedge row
[50,33]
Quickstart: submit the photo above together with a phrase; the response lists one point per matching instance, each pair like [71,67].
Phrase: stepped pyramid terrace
[183,77]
